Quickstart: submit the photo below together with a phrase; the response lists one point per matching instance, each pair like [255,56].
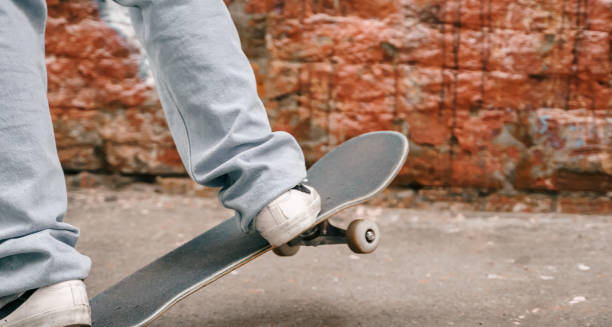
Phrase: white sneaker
[288,215]
[58,305]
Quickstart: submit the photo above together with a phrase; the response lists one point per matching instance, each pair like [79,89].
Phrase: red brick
[137,126]
[72,11]
[482,130]
[570,130]
[467,13]
[309,127]
[364,96]
[260,6]
[363,82]
[505,90]
[131,141]
[531,15]
[320,84]
[422,44]
[150,158]
[480,170]
[426,11]
[464,48]
[487,149]
[470,83]
[590,91]
[260,78]
[429,128]
[86,39]
[599,15]
[547,91]
[366,40]
[464,90]
[419,88]
[279,9]
[570,151]
[531,53]
[364,9]
[78,138]
[594,53]
[295,121]
[576,204]
[357,117]
[77,127]
[343,40]
[303,109]
[94,83]
[426,165]
[419,104]
[283,78]
[290,40]
[318,142]
[80,157]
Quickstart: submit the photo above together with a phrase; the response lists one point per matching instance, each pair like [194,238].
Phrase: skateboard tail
[204,283]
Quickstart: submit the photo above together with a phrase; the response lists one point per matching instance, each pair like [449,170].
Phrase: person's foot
[288,215]
[62,304]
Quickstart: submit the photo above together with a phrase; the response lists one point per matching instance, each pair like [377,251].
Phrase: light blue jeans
[209,95]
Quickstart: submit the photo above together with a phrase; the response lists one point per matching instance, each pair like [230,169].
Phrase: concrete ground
[431,269]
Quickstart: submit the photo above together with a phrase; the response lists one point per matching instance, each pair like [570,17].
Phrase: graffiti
[543,123]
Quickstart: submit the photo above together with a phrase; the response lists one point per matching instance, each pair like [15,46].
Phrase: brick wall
[495,95]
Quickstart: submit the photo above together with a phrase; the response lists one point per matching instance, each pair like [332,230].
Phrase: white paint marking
[577,299]
[583,267]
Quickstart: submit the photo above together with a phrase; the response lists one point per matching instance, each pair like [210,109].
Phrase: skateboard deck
[350,174]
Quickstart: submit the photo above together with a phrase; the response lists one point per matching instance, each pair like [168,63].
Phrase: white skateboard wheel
[363,236]
[286,250]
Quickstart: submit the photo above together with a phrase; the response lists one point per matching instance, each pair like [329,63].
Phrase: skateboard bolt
[370,236]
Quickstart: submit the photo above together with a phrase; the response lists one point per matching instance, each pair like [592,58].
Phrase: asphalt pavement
[431,269]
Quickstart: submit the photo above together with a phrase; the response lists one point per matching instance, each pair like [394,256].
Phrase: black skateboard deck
[350,174]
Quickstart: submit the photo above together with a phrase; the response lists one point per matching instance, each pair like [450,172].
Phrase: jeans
[208,93]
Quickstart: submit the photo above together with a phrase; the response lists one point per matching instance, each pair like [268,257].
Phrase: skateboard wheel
[363,236]
[286,250]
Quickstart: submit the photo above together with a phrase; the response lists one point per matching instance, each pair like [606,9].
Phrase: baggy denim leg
[36,248]
[208,91]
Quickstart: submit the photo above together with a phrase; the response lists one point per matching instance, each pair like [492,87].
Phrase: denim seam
[179,109]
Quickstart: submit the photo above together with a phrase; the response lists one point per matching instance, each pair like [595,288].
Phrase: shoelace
[12,306]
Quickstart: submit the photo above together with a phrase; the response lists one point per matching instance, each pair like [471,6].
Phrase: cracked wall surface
[493,95]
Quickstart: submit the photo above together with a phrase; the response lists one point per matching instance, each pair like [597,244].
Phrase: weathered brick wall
[497,95]
[106,115]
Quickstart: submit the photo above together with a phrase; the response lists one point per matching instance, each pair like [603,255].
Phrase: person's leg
[208,91]
[36,248]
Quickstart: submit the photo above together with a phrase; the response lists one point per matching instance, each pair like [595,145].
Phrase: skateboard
[352,173]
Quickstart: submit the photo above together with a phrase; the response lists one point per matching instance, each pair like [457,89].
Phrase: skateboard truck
[362,236]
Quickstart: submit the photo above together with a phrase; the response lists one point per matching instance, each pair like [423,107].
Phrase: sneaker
[288,215]
[59,305]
